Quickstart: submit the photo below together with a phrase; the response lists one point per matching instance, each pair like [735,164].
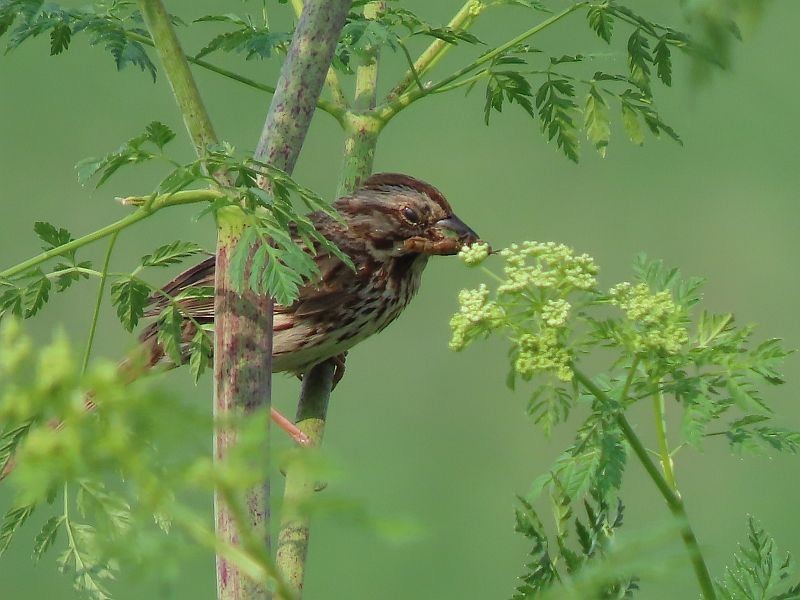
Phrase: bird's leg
[289,427]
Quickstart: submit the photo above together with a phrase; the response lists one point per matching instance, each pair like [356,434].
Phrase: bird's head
[399,215]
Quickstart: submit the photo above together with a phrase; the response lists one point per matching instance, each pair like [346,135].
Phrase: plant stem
[243,323]
[390,109]
[462,20]
[186,197]
[670,494]
[367,73]
[300,484]
[663,445]
[184,88]
[331,78]
[361,138]
[331,108]
[100,291]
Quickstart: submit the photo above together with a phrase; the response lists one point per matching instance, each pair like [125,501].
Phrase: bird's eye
[411,215]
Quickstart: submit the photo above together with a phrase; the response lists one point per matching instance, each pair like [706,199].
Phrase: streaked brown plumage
[390,227]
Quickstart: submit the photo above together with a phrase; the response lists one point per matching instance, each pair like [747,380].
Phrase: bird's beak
[453,227]
[446,237]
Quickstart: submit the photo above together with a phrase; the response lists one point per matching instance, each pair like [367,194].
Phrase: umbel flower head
[476,315]
[546,265]
[657,320]
[530,303]
[474,254]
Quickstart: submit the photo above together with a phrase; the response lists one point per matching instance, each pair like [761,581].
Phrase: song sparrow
[391,225]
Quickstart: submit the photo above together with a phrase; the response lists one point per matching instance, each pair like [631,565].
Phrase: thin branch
[412,68]
[671,496]
[390,109]
[462,20]
[332,108]
[661,434]
[145,211]
[99,302]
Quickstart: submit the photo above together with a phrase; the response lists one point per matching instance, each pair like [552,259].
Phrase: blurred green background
[417,431]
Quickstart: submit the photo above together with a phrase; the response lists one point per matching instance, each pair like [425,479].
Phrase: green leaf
[507,85]
[51,235]
[554,101]
[12,521]
[12,301]
[601,21]
[745,438]
[130,153]
[638,59]
[746,396]
[760,572]
[201,349]
[170,254]
[597,121]
[254,42]
[549,405]
[663,61]
[129,295]
[159,134]
[630,121]
[47,536]
[170,333]
[60,37]
[36,294]
[82,561]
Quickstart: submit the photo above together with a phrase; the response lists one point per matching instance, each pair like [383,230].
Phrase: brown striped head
[400,215]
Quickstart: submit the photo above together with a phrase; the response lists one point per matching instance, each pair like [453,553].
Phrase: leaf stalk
[670,494]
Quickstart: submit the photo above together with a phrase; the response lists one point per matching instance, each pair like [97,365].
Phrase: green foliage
[759,572]
[248,38]
[129,295]
[26,294]
[113,468]
[271,257]
[551,564]
[132,152]
[549,306]
[361,37]
[112,25]
[170,254]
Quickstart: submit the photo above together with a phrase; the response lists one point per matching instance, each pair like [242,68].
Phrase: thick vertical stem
[243,323]
[242,377]
[361,131]
[180,77]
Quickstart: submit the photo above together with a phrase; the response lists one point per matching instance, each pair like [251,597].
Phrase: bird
[389,228]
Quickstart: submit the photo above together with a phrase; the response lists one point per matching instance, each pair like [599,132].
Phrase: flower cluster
[530,303]
[542,352]
[554,265]
[657,317]
[475,254]
[476,315]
